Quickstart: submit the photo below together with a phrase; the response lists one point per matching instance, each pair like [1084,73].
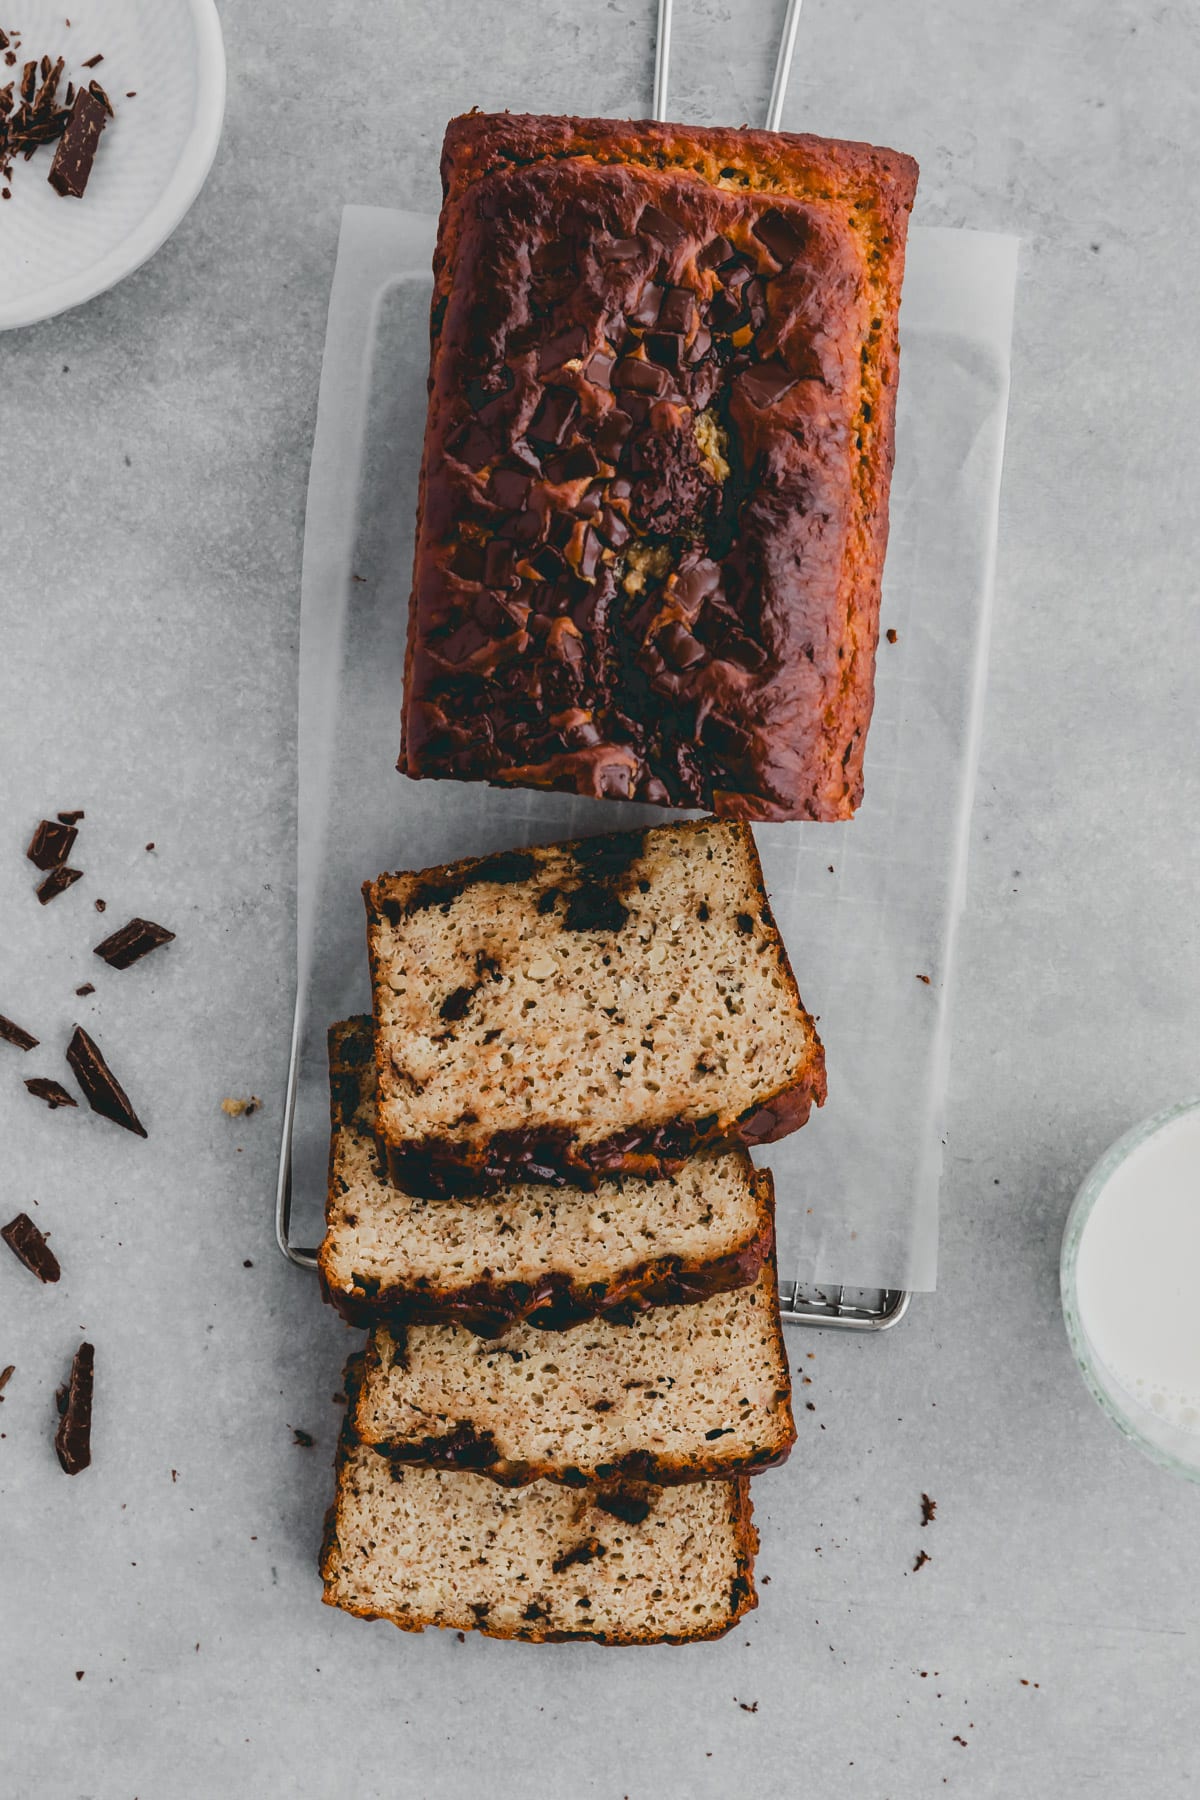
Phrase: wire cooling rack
[827,1307]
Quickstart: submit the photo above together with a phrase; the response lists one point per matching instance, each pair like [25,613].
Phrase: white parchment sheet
[866,907]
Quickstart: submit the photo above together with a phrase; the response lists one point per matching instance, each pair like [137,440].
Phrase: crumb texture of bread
[654,491]
[681,1393]
[426,1547]
[532,1251]
[604,1006]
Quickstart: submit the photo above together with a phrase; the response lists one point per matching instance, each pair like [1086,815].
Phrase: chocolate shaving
[52,1092]
[73,1439]
[57,882]
[93,62]
[30,1247]
[132,942]
[101,1089]
[6,1376]
[52,842]
[928,1510]
[16,1034]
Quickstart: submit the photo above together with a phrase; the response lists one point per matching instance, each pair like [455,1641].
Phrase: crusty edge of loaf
[742,1594]
[462,1447]
[879,184]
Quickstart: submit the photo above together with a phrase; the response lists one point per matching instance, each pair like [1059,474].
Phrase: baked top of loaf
[682,1393]
[610,1004]
[533,1252]
[435,1547]
[654,488]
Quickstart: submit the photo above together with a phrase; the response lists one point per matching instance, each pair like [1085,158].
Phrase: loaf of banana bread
[599,1007]
[654,491]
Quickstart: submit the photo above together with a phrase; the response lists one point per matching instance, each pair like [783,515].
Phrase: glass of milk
[1131,1285]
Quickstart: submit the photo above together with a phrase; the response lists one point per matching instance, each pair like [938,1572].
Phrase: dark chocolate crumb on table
[132,942]
[42,1087]
[30,1247]
[11,1033]
[52,842]
[57,882]
[73,1439]
[101,1089]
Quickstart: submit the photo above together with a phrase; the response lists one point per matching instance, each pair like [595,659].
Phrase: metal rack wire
[828,1307]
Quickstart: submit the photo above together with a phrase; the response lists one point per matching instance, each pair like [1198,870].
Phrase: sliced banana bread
[682,1393]
[533,1252]
[608,1005]
[443,1547]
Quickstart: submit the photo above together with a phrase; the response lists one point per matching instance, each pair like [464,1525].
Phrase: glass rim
[1119,1409]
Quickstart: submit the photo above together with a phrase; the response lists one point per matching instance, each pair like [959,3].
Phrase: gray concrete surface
[161,1633]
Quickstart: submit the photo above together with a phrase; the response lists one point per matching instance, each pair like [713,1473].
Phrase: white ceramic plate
[57,252]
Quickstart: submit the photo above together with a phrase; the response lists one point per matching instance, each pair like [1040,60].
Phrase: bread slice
[438,1547]
[533,1252]
[683,1393]
[603,1006]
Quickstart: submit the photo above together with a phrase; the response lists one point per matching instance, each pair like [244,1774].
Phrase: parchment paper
[866,907]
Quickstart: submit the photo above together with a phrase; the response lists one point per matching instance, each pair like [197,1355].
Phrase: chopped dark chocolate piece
[101,1089]
[30,1247]
[88,987]
[52,1092]
[52,843]
[73,1439]
[11,1033]
[668,232]
[6,1376]
[765,384]
[132,942]
[784,237]
[77,148]
[70,818]
[552,420]
[57,882]
[101,905]
[98,93]
[93,61]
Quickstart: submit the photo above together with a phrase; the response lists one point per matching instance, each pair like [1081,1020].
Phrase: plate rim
[172,205]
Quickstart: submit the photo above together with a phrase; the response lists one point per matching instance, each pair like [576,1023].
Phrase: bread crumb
[241,1109]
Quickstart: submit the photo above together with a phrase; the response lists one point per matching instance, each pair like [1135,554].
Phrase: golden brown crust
[800,737]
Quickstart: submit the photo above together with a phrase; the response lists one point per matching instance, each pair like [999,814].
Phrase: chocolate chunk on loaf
[532,1252]
[654,491]
[682,1393]
[599,1007]
[435,1547]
